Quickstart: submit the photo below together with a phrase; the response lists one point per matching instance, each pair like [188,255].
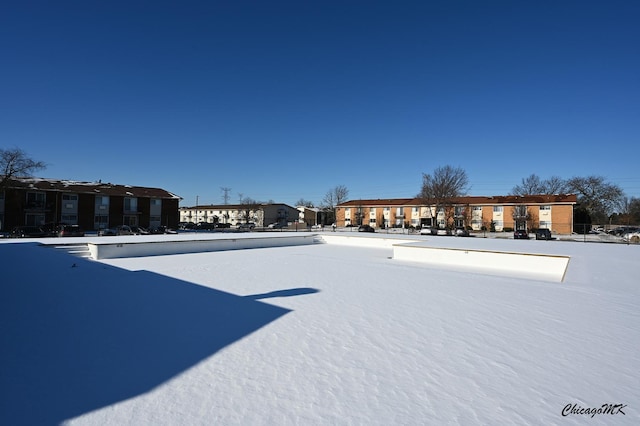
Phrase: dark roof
[478,200]
[95,188]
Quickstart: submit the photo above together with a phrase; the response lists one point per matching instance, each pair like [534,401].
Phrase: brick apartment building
[91,205]
[553,212]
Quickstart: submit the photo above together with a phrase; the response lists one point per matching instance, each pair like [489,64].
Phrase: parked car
[105,232]
[139,230]
[366,228]
[621,230]
[521,234]
[632,237]
[443,231]
[543,234]
[461,232]
[205,226]
[162,230]
[278,225]
[248,225]
[28,232]
[427,230]
[118,230]
[69,231]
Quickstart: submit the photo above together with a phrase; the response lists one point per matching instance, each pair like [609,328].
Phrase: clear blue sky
[282,100]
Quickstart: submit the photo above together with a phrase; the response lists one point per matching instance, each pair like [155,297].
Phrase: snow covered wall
[524,265]
[121,249]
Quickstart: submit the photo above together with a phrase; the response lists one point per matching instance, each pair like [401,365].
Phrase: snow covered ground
[315,335]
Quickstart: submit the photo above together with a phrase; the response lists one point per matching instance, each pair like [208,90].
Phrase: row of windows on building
[211,215]
[271,213]
[477,220]
[36,204]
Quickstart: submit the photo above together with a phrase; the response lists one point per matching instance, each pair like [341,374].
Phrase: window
[35,200]
[154,221]
[545,207]
[101,218]
[130,205]
[69,219]
[69,205]
[497,209]
[36,219]
[155,209]
[130,220]
[415,209]
[545,224]
[102,204]
[101,221]
[477,208]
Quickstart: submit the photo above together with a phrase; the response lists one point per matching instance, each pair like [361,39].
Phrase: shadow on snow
[283,293]
[78,335]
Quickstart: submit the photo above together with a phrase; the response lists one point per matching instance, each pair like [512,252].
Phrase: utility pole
[225,197]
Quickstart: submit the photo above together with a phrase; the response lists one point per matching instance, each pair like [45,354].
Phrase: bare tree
[15,163]
[533,185]
[628,212]
[334,197]
[554,185]
[249,205]
[598,197]
[634,210]
[304,203]
[442,187]
[529,186]
[523,217]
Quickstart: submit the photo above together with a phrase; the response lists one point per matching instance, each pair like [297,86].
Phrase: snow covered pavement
[320,334]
